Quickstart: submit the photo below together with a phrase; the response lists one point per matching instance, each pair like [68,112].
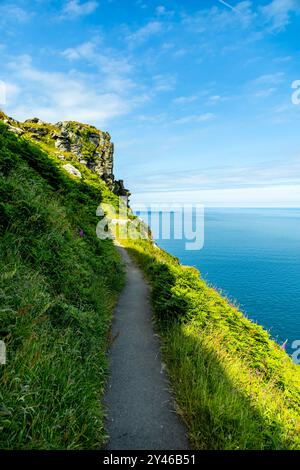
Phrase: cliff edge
[71,140]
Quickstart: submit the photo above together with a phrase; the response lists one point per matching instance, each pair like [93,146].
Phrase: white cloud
[185,99]
[162,11]
[141,35]
[55,96]
[153,118]
[221,18]
[76,9]
[83,51]
[108,60]
[277,196]
[181,52]
[12,91]
[272,173]
[265,93]
[115,69]
[9,92]
[164,82]
[283,59]
[269,184]
[266,85]
[278,13]
[195,118]
[270,79]
[213,100]
[12,12]
[227,15]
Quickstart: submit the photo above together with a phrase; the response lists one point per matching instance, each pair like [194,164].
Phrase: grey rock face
[72,170]
[120,190]
[15,130]
[95,139]
[90,146]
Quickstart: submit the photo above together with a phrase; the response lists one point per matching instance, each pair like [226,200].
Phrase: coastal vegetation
[58,286]
[235,388]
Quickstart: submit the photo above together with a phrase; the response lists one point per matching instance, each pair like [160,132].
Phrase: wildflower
[81,233]
[282,347]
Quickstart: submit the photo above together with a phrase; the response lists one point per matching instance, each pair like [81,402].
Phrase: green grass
[57,292]
[234,387]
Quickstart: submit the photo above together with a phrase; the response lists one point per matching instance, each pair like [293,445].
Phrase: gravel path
[139,405]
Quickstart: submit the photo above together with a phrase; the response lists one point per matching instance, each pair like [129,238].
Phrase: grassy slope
[57,291]
[236,389]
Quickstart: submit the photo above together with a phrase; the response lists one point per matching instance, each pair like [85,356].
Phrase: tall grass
[57,291]
[234,386]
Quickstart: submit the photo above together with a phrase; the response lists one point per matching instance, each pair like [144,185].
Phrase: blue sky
[197,95]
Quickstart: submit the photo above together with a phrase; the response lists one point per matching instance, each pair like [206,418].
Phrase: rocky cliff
[69,139]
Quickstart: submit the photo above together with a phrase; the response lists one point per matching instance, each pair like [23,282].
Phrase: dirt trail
[138,400]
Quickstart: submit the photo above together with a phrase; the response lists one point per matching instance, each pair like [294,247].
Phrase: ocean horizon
[252,257]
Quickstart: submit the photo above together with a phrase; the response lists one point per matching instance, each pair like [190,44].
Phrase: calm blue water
[253,257]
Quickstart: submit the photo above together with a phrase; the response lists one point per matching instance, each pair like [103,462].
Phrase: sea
[252,256]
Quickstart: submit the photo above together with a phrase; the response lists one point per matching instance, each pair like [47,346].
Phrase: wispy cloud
[252,17]
[75,9]
[214,100]
[278,13]
[270,79]
[182,100]
[109,60]
[265,93]
[115,69]
[225,177]
[161,10]
[57,96]
[194,118]
[142,34]
[164,82]
[285,196]
[13,12]
[221,18]
[86,51]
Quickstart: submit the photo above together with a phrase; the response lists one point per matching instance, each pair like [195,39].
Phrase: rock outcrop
[72,170]
[88,145]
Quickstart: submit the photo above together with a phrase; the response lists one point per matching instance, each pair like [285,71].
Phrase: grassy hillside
[234,386]
[57,291]
[58,284]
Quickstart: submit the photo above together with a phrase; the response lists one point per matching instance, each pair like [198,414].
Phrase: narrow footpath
[139,405]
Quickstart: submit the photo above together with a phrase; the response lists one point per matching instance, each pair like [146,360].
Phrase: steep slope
[72,142]
[234,385]
[58,286]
